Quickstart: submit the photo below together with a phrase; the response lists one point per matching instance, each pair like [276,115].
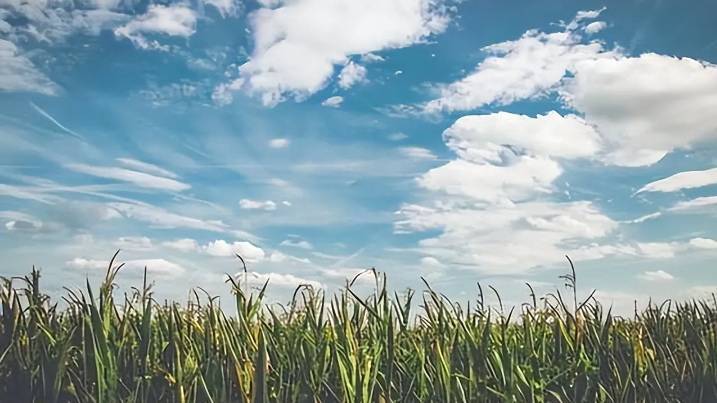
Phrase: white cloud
[134,243]
[480,138]
[279,143]
[297,243]
[643,250]
[646,106]
[351,75]
[682,180]
[430,261]
[519,69]
[703,243]
[289,281]
[298,43]
[278,257]
[222,94]
[146,167]
[80,263]
[182,245]
[644,218]
[702,291]
[659,250]
[174,20]
[248,251]
[496,193]
[398,136]
[371,58]
[162,218]
[19,74]
[418,153]
[595,27]
[51,21]
[140,179]
[17,225]
[507,238]
[248,204]
[154,266]
[226,8]
[333,102]
[695,204]
[659,275]
[525,177]
[343,274]
[28,193]
[18,221]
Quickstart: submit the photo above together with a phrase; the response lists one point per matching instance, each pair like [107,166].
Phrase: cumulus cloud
[703,243]
[52,21]
[524,177]
[173,20]
[479,138]
[646,106]
[351,74]
[81,263]
[249,204]
[333,102]
[659,275]
[519,69]
[226,8]
[595,27]
[279,143]
[138,178]
[156,266]
[297,44]
[504,239]
[496,192]
[280,280]
[247,250]
[19,74]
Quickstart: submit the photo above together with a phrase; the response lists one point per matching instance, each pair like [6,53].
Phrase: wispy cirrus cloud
[163,218]
[141,179]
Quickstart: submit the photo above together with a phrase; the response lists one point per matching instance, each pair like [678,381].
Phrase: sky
[456,141]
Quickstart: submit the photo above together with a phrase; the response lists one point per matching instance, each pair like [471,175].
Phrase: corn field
[348,348]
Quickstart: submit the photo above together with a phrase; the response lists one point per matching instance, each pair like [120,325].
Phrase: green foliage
[348,348]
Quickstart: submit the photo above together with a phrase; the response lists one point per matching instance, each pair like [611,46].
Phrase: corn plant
[348,347]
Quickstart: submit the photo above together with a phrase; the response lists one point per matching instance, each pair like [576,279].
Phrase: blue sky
[459,141]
